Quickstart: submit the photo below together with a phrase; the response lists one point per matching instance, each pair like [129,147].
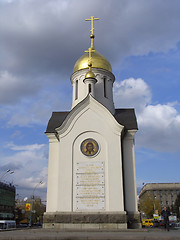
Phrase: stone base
[86,226]
[133,220]
[85,221]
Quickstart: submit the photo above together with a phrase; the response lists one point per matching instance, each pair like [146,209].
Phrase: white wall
[92,121]
[129,172]
[98,89]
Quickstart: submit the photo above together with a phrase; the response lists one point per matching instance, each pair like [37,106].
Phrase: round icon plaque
[89,147]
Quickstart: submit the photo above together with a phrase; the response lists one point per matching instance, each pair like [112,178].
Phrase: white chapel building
[91,172]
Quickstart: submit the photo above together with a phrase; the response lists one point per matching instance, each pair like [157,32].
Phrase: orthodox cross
[92,28]
[90,50]
[92,19]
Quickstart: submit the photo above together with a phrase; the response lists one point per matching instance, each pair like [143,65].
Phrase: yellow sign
[28,207]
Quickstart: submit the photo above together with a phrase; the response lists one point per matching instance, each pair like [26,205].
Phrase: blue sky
[40,42]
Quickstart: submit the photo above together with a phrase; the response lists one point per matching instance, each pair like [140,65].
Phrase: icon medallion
[89,147]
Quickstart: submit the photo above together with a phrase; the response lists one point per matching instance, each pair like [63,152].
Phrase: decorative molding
[129,135]
[81,73]
[88,103]
[53,137]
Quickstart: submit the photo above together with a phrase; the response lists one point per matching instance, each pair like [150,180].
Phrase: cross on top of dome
[92,30]
[94,59]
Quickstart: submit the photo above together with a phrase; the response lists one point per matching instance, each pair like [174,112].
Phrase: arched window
[105,88]
[76,90]
[90,88]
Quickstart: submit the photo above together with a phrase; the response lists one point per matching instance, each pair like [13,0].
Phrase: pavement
[53,234]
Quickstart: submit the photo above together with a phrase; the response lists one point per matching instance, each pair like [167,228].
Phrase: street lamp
[8,171]
[154,204]
[41,182]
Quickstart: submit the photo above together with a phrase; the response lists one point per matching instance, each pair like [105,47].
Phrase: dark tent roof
[125,117]
[55,121]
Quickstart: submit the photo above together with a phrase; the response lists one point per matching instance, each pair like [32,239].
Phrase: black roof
[125,117]
[55,121]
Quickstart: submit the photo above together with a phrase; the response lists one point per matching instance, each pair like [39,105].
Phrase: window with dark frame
[90,88]
[76,90]
[105,90]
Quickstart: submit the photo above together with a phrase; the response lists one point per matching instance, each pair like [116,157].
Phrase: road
[53,234]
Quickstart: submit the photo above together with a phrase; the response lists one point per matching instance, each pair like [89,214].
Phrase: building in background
[166,193]
[29,211]
[7,201]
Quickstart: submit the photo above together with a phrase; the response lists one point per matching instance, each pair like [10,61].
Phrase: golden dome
[97,60]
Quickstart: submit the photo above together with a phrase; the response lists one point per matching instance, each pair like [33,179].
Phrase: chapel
[91,169]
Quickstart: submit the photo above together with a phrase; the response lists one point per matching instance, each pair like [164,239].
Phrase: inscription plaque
[90,191]
[90,167]
[90,179]
[90,186]
[90,203]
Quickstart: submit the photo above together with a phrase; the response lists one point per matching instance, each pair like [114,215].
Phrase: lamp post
[8,171]
[41,182]
[154,204]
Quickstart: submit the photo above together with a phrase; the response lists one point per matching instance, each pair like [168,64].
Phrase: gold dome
[97,60]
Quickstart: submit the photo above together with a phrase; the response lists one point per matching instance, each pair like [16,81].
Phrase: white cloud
[132,93]
[39,37]
[153,114]
[33,147]
[29,163]
[159,125]
[16,135]
[160,128]
[41,41]
[37,110]
[12,88]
